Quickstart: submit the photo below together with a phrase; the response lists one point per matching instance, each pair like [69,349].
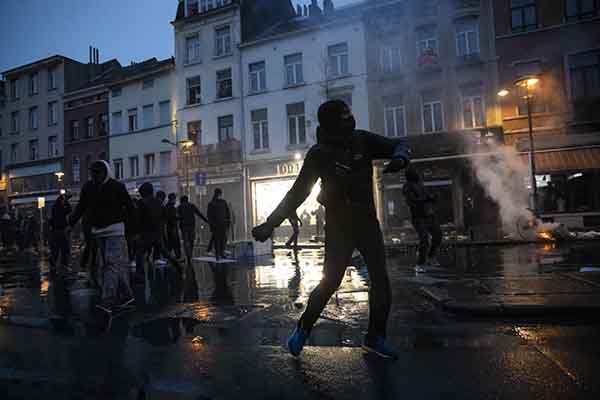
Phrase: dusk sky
[124,29]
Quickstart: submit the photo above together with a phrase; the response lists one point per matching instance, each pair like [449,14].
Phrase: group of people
[21,230]
[120,232]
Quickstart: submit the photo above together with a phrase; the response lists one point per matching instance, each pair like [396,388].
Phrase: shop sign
[289,168]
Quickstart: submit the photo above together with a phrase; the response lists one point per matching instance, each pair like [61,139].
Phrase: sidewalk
[548,295]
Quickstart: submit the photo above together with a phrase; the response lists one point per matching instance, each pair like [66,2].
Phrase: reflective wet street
[217,331]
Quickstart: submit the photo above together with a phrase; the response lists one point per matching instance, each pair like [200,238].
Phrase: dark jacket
[218,214]
[104,205]
[346,172]
[187,215]
[150,216]
[171,215]
[58,220]
[420,202]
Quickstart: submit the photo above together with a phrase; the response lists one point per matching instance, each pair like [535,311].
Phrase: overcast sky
[128,30]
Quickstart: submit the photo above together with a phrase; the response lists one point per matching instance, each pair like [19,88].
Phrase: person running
[295,222]
[219,219]
[173,241]
[424,220]
[187,213]
[343,159]
[60,248]
[106,204]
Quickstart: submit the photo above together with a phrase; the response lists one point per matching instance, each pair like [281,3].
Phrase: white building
[288,72]
[142,142]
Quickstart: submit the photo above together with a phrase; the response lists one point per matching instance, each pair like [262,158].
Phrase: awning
[578,159]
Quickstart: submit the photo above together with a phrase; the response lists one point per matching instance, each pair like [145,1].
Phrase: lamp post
[528,83]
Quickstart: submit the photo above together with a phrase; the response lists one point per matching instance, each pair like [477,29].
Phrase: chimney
[328,6]
[90,50]
[313,9]
[298,10]
[97,56]
[305,11]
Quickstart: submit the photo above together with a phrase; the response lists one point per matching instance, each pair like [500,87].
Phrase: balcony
[213,155]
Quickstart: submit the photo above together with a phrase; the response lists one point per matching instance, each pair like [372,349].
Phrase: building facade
[142,140]
[557,43]
[33,143]
[432,79]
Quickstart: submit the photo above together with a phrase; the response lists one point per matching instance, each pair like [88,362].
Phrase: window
[33,118]
[148,111]
[223,41]
[260,129]
[338,59]
[14,152]
[89,129]
[132,120]
[165,162]
[116,92]
[427,8]
[193,90]
[390,59]
[76,167]
[473,112]
[134,167]
[52,113]
[523,15]
[74,130]
[258,77]
[118,166]
[164,109]
[427,46]
[52,146]
[192,46]
[579,9]
[14,89]
[147,83]
[149,164]
[433,120]
[467,38]
[395,122]
[33,84]
[537,102]
[584,72]
[14,122]
[192,7]
[194,129]
[206,5]
[33,150]
[296,124]
[103,124]
[224,84]
[225,128]
[117,122]
[52,79]
[293,69]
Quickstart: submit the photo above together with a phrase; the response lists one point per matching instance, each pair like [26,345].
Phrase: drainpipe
[243,137]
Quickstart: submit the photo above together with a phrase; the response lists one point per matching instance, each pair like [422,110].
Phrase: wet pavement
[216,331]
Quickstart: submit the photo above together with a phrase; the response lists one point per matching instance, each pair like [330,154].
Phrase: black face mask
[347,125]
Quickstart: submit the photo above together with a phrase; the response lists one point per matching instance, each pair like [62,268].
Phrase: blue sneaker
[381,347]
[296,341]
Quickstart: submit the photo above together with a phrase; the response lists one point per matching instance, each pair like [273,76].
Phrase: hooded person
[173,242]
[219,219]
[343,160]
[424,219]
[106,205]
[59,240]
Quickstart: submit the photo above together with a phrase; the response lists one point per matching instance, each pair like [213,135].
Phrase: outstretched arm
[198,213]
[396,150]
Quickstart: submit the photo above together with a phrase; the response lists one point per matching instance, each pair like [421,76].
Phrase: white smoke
[503,176]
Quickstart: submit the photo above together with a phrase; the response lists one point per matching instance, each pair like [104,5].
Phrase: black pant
[425,227]
[59,247]
[293,240]
[220,241]
[348,229]
[145,245]
[188,235]
[173,242]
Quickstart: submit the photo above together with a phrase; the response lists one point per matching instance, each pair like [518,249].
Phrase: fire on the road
[545,235]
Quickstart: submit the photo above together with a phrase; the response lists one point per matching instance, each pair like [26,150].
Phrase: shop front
[269,181]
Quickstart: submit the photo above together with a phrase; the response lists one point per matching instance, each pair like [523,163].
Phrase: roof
[297,23]
[23,68]
[100,74]
[142,69]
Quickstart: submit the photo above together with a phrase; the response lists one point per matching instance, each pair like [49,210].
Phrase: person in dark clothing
[319,214]
[173,242]
[296,224]
[343,159]
[59,235]
[424,220]
[186,213]
[88,261]
[106,204]
[150,216]
[219,219]
[161,197]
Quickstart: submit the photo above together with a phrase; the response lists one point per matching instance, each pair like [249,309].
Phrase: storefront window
[568,192]
[268,194]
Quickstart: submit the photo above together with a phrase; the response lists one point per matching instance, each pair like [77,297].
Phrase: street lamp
[186,146]
[528,83]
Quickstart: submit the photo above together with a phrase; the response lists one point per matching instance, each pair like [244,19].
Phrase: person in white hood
[106,204]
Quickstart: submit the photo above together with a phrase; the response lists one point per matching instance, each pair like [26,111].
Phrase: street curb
[26,322]
[500,309]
